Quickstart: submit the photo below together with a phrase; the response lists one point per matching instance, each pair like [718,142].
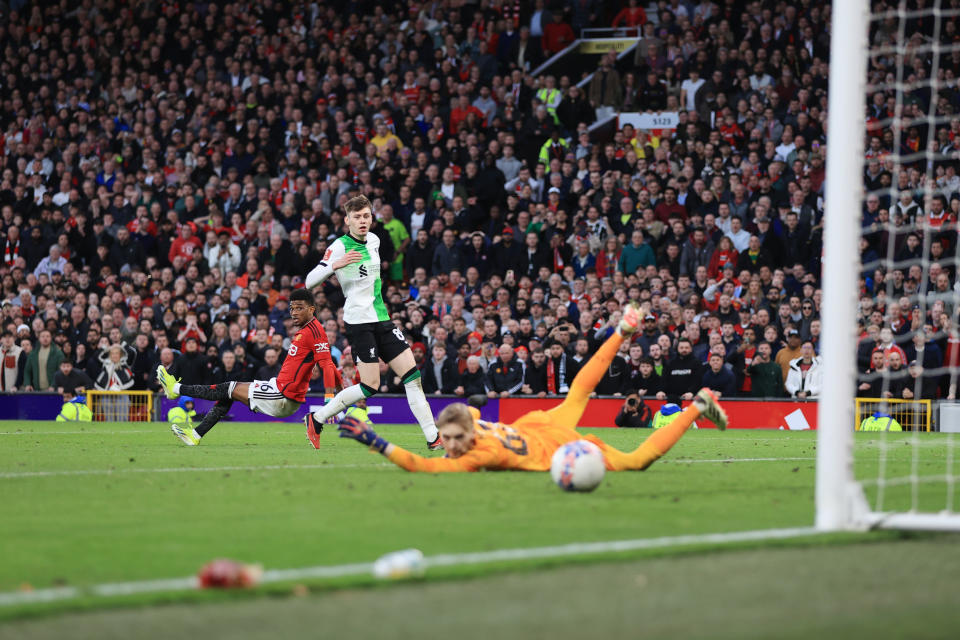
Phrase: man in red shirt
[184,245]
[461,111]
[278,397]
[557,35]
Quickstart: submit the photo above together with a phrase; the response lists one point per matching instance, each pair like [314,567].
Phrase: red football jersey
[309,347]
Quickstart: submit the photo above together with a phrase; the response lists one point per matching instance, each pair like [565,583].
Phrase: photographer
[635,414]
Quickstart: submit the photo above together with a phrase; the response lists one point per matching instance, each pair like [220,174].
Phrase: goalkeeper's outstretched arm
[356,430]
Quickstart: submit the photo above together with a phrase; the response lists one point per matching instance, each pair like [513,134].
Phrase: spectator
[42,364]
[224,255]
[115,375]
[805,377]
[184,245]
[505,374]
[719,378]
[605,89]
[473,379]
[697,251]
[766,377]
[788,353]
[440,372]
[636,255]
[648,383]
[191,365]
[270,367]
[53,263]
[12,363]
[535,374]
[557,35]
[70,380]
[446,257]
[683,374]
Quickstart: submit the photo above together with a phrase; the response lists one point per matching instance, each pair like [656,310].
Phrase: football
[577,466]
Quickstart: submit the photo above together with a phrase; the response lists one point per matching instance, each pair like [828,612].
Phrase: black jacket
[504,257]
[634,419]
[682,375]
[536,377]
[505,376]
[417,256]
[651,385]
[616,379]
[473,383]
[450,378]
[237,374]
[191,368]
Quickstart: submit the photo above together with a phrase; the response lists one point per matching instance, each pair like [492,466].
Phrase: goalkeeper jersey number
[360,281]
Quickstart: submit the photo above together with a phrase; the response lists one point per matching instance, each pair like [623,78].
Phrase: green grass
[121,502]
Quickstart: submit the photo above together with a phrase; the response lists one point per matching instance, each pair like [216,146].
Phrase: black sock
[206,391]
[215,414]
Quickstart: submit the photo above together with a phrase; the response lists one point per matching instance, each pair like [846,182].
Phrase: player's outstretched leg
[568,413]
[191,437]
[342,400]
[704,404]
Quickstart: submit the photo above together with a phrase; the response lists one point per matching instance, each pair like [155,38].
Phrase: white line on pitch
[295,467]
[108,472]
[716,460]
[443,560]
[74,433]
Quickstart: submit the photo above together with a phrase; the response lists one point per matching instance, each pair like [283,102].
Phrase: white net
[908,355]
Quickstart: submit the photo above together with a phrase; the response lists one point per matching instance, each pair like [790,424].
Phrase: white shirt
[360,281]
[691,87]
[741,239]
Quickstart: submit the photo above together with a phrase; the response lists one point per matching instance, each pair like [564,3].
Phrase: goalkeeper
[472,444]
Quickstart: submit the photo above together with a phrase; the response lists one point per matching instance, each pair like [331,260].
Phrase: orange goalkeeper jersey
[526,445]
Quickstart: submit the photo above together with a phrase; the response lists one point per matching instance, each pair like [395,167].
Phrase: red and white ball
[578,466]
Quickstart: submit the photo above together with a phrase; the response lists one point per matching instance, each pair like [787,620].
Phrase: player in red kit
[278,397]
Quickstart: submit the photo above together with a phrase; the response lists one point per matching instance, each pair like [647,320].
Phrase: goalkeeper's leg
[660,441]
[567,413]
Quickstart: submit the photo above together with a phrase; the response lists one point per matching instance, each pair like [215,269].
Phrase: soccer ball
[577,466]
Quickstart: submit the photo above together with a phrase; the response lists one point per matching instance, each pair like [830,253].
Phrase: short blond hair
[357,203]
[457,413]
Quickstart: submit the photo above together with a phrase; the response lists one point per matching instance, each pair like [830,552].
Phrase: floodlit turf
[903,589]
[87,504]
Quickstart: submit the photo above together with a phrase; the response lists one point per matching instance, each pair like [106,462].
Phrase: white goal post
[840,501]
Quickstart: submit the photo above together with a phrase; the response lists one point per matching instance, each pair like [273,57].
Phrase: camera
[631,402]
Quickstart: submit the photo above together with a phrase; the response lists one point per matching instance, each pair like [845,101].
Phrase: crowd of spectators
[171,171]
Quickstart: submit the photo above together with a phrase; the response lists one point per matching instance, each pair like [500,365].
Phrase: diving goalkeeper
[528,444]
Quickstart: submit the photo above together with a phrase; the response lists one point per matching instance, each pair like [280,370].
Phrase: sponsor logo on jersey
[296,337]
[373,352]
[320,347]
[363,271]
[327,255]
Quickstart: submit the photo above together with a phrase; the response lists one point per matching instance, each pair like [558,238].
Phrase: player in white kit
[355,259]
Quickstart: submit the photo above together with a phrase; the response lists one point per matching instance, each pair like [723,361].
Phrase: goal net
[891,255]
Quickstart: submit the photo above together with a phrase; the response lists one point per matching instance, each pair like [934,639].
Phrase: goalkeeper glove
[356,430]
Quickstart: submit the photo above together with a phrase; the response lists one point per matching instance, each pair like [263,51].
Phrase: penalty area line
[271,576]
[110,472]
[293,467]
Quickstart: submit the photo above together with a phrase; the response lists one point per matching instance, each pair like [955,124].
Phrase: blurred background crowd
[172,170]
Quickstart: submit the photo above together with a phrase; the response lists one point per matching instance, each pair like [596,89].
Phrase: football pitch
[107,519]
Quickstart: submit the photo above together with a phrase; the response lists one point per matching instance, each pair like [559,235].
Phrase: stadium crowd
[171,171]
